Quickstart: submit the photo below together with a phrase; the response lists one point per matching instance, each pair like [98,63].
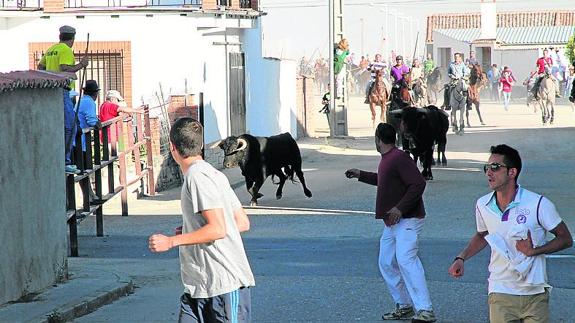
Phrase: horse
[458,102]
[418,90]
[477,81]
[434,85]
[546,99]
[378,96]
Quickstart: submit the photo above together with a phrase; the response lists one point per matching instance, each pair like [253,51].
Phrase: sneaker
[72,169]
[424,316]
[400,313]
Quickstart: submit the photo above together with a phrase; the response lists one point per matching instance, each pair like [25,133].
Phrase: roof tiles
[31,80]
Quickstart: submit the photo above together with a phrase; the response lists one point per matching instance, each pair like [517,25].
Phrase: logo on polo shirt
[522,215]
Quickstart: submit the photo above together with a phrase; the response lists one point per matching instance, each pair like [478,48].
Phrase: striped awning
[544,35]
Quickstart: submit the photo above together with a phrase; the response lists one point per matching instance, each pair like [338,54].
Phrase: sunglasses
[493,167]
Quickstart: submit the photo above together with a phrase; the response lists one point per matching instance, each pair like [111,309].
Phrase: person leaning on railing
[112,107]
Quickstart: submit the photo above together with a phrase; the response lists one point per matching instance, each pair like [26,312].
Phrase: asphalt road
[322,266]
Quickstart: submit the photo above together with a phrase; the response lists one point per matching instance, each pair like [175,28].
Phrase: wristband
[462,259]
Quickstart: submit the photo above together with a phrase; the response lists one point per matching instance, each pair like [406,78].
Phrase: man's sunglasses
[493,166]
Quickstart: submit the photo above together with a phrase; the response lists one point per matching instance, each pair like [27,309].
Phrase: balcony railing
[21,4]
[130,3]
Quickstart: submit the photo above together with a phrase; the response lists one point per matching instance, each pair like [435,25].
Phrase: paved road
[321,266]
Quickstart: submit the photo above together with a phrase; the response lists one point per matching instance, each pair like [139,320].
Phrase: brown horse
[378,96]
[477,81]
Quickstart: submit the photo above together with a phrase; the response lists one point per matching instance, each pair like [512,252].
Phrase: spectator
[112,108]
[60,58]
[494,75]
[569,78]
[506,85]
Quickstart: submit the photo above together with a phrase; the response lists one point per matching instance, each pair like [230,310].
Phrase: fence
[131,3]
[102,154]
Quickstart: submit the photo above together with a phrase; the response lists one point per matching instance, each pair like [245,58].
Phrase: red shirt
[399,184]
[542,62]
[506,83]
[109,110]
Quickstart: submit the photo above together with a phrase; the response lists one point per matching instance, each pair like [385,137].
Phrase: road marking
[277,208]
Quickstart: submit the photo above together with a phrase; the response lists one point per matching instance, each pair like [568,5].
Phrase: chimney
[488,19]
[51,6]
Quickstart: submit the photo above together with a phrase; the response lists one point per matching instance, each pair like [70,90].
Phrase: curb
[89,304]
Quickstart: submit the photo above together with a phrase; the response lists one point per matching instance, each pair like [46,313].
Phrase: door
[237,95]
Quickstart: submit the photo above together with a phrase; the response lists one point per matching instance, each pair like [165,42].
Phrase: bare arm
[242,220]
[475,245]
[213,230]
[75,68]
[130,110]
[562,240]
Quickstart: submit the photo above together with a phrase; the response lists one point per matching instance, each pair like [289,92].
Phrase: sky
[297,28]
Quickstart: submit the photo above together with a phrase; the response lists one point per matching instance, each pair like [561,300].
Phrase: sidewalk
[85,291]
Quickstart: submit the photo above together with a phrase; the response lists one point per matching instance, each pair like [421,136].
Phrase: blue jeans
[70,126]
[506,99]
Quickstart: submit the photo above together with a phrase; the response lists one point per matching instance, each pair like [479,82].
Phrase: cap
[73,93]
[114,94]
[67,30]
[91,87]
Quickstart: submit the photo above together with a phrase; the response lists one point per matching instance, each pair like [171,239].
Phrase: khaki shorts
[505,308]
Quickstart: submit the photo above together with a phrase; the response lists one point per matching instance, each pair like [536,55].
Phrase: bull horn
[243,144]
[215,144]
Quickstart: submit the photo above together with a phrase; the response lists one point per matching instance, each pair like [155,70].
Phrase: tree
[570,49]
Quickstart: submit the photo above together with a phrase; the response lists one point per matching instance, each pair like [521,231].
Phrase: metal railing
[21,4]
[130,3]
[103,154]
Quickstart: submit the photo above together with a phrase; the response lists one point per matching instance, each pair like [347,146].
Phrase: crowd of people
[360,72]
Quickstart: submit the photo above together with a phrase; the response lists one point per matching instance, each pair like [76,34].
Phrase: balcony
[60,5]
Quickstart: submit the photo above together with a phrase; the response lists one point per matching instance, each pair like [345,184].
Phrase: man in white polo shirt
[514,222]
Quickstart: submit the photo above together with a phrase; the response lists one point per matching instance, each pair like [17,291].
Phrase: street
[315,260]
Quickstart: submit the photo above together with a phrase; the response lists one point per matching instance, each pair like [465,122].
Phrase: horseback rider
[428,65]
[544,66]
[456,71]
[397,72]
[377,65]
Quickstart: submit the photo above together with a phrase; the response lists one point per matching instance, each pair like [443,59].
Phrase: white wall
[166,48]
[271,90]
[440,40]
[521,61]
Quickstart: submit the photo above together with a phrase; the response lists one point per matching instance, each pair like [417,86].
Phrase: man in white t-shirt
[215,270]
[514,222]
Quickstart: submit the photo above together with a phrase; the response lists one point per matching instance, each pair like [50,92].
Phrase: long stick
[76,108]
[415,49]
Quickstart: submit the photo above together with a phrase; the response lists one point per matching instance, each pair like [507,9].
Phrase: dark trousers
[233,307]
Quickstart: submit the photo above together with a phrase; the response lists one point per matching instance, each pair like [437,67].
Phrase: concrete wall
[32,213]
[271,90]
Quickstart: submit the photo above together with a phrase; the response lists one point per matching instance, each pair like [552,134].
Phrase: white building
[187,46]
[514,39]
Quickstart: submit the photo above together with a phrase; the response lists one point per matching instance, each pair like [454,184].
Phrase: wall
[271,90]
[34,246]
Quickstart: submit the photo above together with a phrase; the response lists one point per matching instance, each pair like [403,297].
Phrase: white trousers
[400,266]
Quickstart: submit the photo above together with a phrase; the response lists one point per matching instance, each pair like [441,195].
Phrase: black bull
[260,157]
[422,129]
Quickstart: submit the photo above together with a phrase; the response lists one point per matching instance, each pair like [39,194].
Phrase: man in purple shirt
[398,70]
[399,203]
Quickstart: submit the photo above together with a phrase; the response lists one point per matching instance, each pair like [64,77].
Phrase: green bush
[570,49]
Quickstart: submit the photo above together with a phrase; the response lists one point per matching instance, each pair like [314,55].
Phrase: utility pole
[362,32]
[338,101]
